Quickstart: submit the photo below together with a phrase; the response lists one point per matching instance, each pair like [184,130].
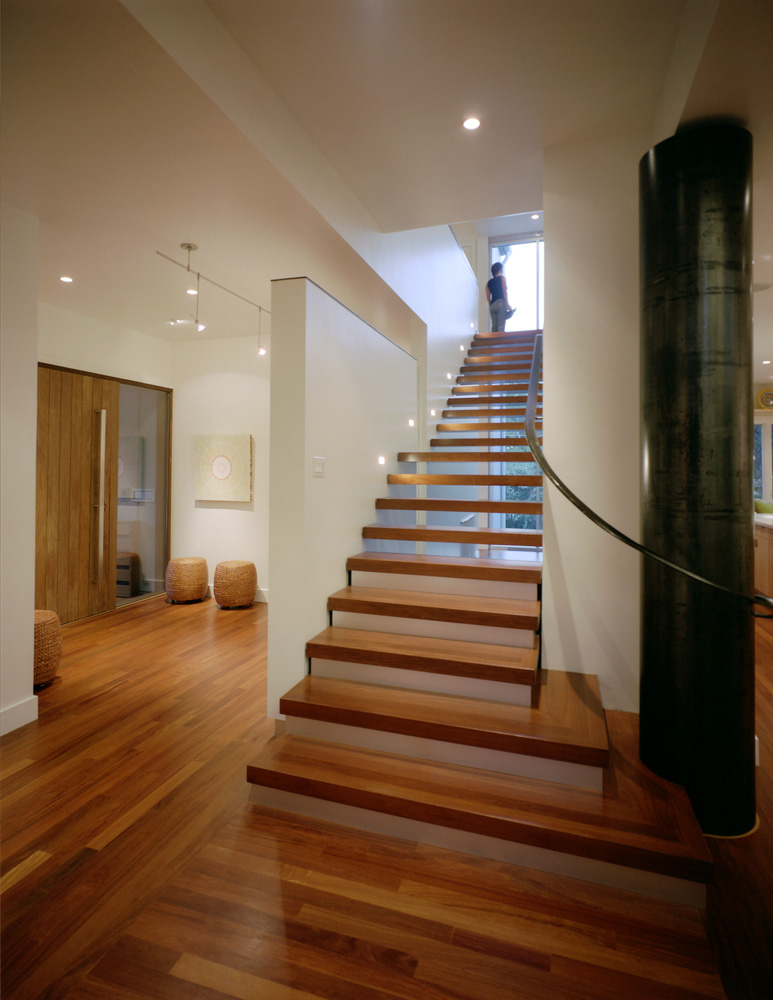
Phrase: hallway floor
[135,865]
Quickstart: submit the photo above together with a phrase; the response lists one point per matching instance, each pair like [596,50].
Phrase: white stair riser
[674,890]
[420,680]
[436,630]
[578,775]
[445,585]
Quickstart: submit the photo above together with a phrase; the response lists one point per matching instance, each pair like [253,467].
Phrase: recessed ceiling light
[192,291]
[67,280]
[766,362]
[536,215]
[471,123]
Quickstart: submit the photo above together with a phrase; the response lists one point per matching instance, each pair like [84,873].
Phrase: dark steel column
[697,670]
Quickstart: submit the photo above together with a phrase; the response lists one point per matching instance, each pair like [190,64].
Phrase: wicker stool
[186,579]
[48,647]
[235,583]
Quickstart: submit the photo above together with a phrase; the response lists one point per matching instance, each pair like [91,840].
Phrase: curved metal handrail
[542,462]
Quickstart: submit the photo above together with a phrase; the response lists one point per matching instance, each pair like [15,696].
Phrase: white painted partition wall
[18,372]
[343,392]
[590,593]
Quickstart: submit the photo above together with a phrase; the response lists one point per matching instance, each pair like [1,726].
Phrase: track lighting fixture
[189,248]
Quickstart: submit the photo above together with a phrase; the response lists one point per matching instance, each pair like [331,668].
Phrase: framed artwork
[223,467]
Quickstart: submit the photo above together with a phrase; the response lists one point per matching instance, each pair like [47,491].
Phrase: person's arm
[488,294]
[504,292]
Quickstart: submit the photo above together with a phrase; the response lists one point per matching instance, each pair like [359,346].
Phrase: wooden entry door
[77,490]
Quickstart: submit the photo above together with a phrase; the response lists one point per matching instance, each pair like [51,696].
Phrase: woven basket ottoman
[235,583]
[186,579]
[48,647]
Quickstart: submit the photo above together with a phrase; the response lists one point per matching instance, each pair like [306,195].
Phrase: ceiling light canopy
[66,279]
[471,123]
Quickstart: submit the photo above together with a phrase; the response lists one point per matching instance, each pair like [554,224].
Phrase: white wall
[220,387]
[72,340]
[591,400]
[18,399]
[343,392]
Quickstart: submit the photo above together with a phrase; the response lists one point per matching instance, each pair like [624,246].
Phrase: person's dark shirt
[495,287]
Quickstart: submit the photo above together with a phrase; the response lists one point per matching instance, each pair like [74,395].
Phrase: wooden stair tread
[466,456]
[507,374]
[576,734]
[504,570]
[608,827]
[449,533]
[428,479]
[520,358]
[483,661]
[496,611]
[518,411]
[461,506]
[521,387]
[519,400]
[519,442]
[513,426]
[506,336]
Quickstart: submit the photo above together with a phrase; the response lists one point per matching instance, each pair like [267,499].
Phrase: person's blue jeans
[497,310]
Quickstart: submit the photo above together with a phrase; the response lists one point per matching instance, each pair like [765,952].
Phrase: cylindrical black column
[697,670]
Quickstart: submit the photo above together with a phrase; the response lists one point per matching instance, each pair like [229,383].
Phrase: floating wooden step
[506,337]
[499,612]
[506,375]
[466,456]
[566,726]
[499,357]
[474,442]
[492,401]
[617,828]
[496,351]
[461,535]
[478,660]
[504,426]
[492,368]
[461,506]
[500,387]
[484,568]
[505,411]
[428,479]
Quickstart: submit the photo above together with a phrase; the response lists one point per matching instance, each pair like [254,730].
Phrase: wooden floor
[135,866]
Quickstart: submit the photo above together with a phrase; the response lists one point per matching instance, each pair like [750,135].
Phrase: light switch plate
[318,466]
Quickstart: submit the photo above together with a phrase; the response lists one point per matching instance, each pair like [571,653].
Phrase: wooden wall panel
[67,490]
[52,508]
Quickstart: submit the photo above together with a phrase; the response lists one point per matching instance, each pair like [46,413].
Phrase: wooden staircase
[425,713]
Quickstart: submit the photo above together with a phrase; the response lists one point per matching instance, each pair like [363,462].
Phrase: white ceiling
[122,153]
